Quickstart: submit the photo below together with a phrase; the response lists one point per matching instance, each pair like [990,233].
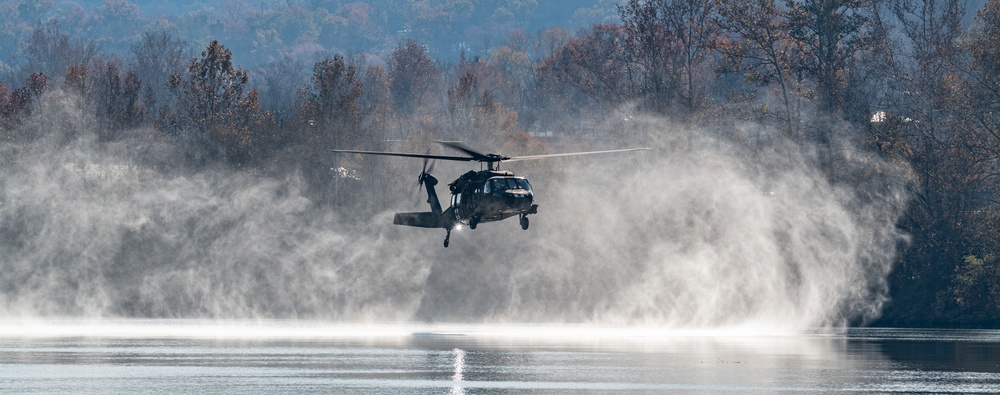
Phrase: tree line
[906,80]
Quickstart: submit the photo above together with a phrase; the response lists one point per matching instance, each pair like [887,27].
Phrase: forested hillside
[895,102]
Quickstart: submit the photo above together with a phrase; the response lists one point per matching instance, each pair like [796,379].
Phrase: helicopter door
[456,201]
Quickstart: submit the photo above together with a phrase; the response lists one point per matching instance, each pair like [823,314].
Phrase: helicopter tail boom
[420,220]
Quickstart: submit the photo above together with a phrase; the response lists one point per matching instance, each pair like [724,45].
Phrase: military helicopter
[477,196]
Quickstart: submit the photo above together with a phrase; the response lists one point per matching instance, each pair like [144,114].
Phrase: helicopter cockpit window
[502,184]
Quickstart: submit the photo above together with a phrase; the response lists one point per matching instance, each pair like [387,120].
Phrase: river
[263,357]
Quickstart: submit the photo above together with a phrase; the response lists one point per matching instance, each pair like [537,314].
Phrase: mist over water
[694,233]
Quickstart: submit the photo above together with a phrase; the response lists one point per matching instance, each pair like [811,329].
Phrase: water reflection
[933,349]
[456,388]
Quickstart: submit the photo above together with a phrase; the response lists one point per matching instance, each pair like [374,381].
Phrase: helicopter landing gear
[473,221]
[524,222]
[447,238]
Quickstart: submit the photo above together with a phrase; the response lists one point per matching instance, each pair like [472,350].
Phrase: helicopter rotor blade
[479,156]
[476,155]
[535,157]
[407,155]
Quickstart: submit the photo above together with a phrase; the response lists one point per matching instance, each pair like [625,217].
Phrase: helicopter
[487,195]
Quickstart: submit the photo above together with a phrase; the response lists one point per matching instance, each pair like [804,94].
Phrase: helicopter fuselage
[490,195]
[477,196]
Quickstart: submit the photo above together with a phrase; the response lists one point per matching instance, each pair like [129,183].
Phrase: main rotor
[492,161]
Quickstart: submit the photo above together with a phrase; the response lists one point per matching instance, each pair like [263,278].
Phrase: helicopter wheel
[524,222]
[447,238]
[473,221]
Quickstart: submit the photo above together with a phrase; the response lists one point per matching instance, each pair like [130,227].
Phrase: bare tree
[156,57]
[51,52]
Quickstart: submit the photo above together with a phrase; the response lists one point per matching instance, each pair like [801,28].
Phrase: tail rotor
[425,175]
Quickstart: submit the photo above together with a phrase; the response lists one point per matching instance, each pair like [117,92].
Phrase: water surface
[151,356]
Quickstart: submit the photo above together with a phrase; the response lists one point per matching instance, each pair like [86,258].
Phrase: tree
[16,104]
[590,71]
[474,116]
[550,40]
[375,101]
[976,291]
[411,74]
[516,74]
[332,100]
[669,39]
[334,117]
[51,52]
[116,96]
[653,47]
[156,57]
[927,123]
[830,33]
[984,47]
[754,41]
[278,83]
[218,118]
[975,284]
[117,22]
[375,104]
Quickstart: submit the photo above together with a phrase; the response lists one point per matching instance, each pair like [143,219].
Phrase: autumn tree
[925,121]
[652,46]
[830,33]
[375,100]
[331,101]
[669,39]
[334,117]
[12,104]
[984,48]
[16,104]
[474,116]
[754,41]
[217,117]
[592,70]
[358,26]
[550,40]
[412,73]
[975,287]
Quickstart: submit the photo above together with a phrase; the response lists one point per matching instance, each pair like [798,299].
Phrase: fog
[695,233]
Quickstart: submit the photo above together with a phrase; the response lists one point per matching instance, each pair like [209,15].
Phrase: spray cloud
[694,233]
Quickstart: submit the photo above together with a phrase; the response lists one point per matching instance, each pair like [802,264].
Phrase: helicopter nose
[520,199]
